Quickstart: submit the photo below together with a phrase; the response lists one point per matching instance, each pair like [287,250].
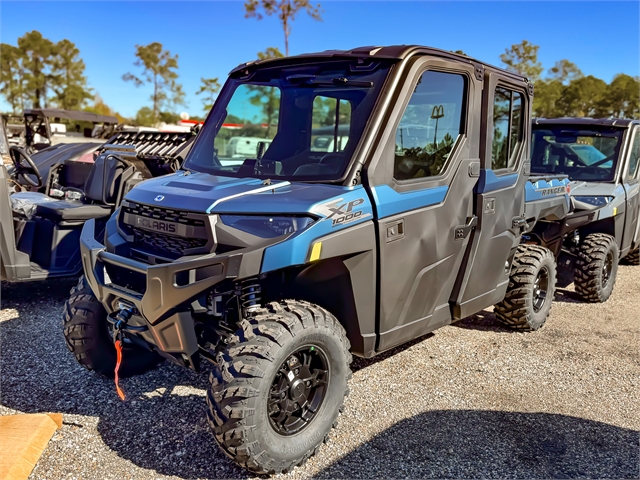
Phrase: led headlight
[595,201]
[266,226]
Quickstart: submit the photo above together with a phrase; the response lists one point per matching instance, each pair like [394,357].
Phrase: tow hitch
[120,324]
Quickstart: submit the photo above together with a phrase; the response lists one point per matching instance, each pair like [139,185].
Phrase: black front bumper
[165,305]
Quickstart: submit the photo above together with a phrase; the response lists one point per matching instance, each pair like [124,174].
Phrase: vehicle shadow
[359,363]
[484,321]
[490,444]
[161,426]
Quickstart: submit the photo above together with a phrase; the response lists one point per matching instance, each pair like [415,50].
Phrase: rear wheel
[279,386]
[87,335]
[532,284]
[633,258]
[597,267]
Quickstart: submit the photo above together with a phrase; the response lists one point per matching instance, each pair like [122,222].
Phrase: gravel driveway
[471,400]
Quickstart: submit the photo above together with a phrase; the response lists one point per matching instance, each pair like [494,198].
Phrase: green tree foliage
[145,117]
[67,78]
[286,11]
[623,96]
[102,108]
[564,71]
[565,91]
[267,98]
[584,97]
[37,59]
[158,69]
[12,76]
[522,58]
[38,71]
[209,88]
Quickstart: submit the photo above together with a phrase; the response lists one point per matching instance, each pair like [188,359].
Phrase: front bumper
[165,305]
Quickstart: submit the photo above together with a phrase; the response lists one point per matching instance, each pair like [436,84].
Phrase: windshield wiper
[310,81]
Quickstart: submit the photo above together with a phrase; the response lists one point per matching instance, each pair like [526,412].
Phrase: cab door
[421,184]
[631,234]
[505,168]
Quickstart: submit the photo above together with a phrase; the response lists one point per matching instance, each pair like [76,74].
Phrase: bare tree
[286,10]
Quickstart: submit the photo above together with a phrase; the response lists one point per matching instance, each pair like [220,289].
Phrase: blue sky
[212,37]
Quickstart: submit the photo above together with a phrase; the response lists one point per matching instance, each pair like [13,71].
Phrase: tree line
[40,73]
[566,92]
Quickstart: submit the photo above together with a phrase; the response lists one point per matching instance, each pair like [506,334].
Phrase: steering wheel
[18,155]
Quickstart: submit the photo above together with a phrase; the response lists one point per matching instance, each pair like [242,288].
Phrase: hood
[205,193]
[595,189]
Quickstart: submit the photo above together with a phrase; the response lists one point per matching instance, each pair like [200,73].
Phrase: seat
[63,210]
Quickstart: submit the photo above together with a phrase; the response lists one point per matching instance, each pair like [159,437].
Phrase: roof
[394,52]
[71,115]
[602,122]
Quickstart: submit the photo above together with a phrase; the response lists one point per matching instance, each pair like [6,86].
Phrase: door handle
[395,230]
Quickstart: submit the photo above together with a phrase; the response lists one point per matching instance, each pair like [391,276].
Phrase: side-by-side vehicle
[403,213]
[600,157]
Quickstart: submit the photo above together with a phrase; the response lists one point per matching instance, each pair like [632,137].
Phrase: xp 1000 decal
[341,212]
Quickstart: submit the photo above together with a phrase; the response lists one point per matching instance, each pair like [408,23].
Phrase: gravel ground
[472,400]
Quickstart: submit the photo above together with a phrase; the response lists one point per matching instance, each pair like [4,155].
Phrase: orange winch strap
[118,346]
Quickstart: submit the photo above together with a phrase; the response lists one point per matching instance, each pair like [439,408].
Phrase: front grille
[161,243]
[164,214]
[185,232]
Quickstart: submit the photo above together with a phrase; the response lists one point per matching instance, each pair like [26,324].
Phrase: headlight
[266,227]
[595,201]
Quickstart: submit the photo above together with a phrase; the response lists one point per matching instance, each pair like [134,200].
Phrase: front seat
[64,210]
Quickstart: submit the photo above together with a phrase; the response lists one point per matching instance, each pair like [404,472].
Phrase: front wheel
[279,386]
[597,267]
[87,335]
[532,285]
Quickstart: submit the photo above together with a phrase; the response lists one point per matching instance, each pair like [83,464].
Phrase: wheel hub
[540,288]
[298,390]
[606,269]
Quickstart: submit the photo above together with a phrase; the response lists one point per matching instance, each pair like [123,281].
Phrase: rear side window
[430,125]
[507,128]
[634,157]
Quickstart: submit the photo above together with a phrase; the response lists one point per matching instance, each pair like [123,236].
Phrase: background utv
[277,267]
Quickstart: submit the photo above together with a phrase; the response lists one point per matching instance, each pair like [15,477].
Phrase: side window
[330,124]
[634,157]
[507,128]
[430,125]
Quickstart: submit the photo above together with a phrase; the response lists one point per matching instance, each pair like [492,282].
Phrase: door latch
[519,224]
[461,232]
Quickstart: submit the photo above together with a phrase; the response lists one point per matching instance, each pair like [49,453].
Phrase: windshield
[582,154]
[298,122]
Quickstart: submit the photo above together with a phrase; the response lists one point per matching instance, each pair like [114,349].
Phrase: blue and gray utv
[388,198]
[600,157]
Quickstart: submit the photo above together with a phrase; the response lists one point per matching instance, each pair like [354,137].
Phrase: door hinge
[461,232]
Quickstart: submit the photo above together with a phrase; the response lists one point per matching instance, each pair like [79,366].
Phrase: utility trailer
[41,231]
[278,267]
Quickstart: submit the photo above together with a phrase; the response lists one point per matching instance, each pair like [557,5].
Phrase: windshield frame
[580,130]
[215,119]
